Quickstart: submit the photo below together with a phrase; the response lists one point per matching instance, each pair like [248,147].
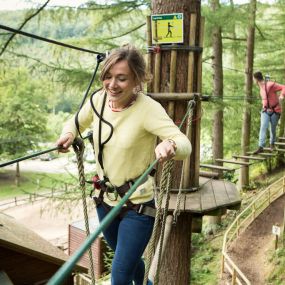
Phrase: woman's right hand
[65,141]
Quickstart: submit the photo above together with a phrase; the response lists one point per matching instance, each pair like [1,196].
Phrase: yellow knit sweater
[131,148]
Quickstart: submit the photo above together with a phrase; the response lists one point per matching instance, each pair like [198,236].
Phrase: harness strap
[121,191]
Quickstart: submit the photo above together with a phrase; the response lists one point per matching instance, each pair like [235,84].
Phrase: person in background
[126,124]
[271,108]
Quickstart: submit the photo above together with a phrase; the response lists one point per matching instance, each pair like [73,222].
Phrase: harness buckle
[140,209]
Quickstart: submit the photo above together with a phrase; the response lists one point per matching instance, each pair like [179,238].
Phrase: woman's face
[119,83]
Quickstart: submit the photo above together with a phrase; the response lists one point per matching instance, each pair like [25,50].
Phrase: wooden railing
[82,279]
[242,221]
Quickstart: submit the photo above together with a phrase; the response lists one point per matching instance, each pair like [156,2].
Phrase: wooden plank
[208,201]
[209,174]
[193,202]
[210,166]
[281,138]
[233,194]
[267,154]
[173,201]
[221,194]
[249,157]
[280,143]
[280,150]
[234,161]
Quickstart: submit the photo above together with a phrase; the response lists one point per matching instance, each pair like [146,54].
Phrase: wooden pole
[172,73]
[283,231]
[154,264]
[149,41]
[157,72]
[172,79]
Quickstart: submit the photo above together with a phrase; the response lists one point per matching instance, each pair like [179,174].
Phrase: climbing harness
[267,108]
[104,186]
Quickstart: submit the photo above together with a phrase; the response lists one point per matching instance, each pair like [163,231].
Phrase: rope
[151,247]
[165,183]
[176,212]
[78,147]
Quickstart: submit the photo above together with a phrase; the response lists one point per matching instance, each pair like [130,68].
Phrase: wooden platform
[214,195]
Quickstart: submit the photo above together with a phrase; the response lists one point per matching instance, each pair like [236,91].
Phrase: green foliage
[205,259]
[277,260]
[32,183]
[22,120]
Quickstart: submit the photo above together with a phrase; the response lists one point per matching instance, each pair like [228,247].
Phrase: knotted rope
[176,212]
[165,184]
[78,147]
[164,189]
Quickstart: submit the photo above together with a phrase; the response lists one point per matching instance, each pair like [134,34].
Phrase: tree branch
[260,32]
[234,39]
[22,25]
[125,33]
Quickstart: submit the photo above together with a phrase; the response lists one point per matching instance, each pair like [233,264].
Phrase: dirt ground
[50,218]
[251,250]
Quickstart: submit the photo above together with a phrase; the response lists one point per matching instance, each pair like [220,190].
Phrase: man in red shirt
[271,108]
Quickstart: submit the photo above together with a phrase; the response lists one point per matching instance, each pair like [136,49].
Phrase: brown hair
[258,76]
[132,56]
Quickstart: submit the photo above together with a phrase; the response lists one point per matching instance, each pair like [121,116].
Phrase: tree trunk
[217,136]
[175,267]
[245,139]
[218,127]
[17,175]
[280,158]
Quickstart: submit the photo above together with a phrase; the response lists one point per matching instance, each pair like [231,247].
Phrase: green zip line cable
[67,267]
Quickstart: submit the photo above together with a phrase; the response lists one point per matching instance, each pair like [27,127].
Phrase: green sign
[167,28]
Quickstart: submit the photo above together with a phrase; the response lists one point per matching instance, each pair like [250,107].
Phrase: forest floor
[252,248]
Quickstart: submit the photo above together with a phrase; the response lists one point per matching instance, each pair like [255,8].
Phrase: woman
[126,124]
[271,109]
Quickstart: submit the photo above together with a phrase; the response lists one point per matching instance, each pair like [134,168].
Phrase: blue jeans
[265,119]
[128,237]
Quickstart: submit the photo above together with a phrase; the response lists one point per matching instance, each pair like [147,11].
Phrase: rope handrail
[235,228]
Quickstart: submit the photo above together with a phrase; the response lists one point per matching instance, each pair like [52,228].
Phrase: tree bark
[218,127]
[245,140]
[280,158]
[17,175]
[178,253]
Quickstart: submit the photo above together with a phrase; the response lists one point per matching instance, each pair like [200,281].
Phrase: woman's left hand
[165,150]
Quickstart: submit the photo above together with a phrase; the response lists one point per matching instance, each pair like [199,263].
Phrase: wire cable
[48,40]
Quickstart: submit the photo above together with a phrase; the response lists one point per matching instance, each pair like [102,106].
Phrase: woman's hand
[165,150]
[65,141]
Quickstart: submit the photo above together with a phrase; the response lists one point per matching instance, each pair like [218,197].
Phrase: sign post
[276,230]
